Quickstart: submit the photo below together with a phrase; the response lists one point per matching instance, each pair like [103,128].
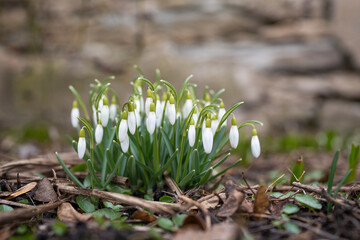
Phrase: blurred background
[295,63]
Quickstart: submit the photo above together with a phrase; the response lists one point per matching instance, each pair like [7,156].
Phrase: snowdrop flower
[187,105]
[214,123]
[148,101]
[158,110]
[234,133]
[192,133]
[81,147]
[151,119]
[171,113]
[131,119]
[140,99]
[95,115]
[207,99]
[74,115]
[113,109]
[255,144]
[101,103]
[222,112]
[99,132]
[105,112]
[195,116]
[208,137]
[123,127]
[125,144]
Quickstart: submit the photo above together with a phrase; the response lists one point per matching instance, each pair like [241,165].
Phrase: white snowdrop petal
[123,127]
[113,111]
[99,131]
[131,122]
[191,135]
[81,147]
[255,146]
[74,117]
[222,112]
[207,140]
[214,125]
[171,113]
[151,122]
[125,144]
[187,108]
[158,112]
[234,136]
[104,115]
[148,101]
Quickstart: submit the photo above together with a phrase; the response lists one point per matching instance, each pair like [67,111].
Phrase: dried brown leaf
[67,213]
[194,222]
[231,204]
[22,190]
[45,191]
[144,216]
[261,200]
[218,231]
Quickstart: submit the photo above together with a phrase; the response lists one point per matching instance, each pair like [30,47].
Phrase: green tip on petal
[157,97]
[152,107]
[195,110]
[172,99]
[233,121]
[99,122]
[164,97]
[208,123]
[254,132]
[222,105]
[192,122]
[188,95]
[215,117]
[148,93]
[75,104]
[124,115]
[105,101]
[207,97]
[82,132]
[113,100]
[131,107]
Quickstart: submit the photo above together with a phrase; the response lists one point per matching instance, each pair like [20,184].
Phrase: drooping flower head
[222,111]
[148,101]
[234,133]
[214,123]
[208,137]
[187,105]
[207,99]
[81,147]
[99,132]
[105,112]
[123,126]
[192,133]
[74,115]
[113,108]
[151,119]
[255,144]
[171,113]
[132,119]
[158,111]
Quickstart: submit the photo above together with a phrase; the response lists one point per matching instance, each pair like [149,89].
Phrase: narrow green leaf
[185,180]
[332,172]
[68,172]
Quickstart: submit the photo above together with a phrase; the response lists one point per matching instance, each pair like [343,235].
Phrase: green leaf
[166,224]
[68,172]
[59,228]
[291,227]
[290,209]
[280,195]
[5,208]
[79,168]
[298,169]
[24,201]
[85,204]
[178,219]
[308,201]
[112,206]
[353,162]
[332,172]
[108,213]
[167,199]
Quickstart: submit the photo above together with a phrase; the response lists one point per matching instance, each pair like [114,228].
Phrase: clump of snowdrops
[156,130]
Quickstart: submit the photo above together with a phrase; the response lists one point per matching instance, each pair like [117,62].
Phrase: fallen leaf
[144,216]
[45,191]
[218,231]
[27,188]
[67,213]
[261,200]
[194,222]
[231,204]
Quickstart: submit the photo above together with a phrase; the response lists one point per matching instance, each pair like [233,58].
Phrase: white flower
[74,115]
[132,119]
[95,115]
[151,119]
[141,99]
[125,144]
[187,105]
[234,133]
[222,112]
[191,133]
[81,147]
[113,109]
[214,123]
[195,116]
[158,111]
[171,113]
[123,127]
[105,113]
[99,132]
[255,144]
[148,101]
[207,99]
[101,103]
[208,137]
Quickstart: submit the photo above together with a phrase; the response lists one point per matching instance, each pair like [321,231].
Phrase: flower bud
[123,126]
[255,144]
[113,109]
[192,133]
[81,147]
[171,114]
[99,132]
[131,119]
[234,133]
[74,115]
[208,137]
[105,112]
[151,119]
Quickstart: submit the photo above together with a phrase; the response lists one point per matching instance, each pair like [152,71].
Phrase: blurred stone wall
[290,61]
